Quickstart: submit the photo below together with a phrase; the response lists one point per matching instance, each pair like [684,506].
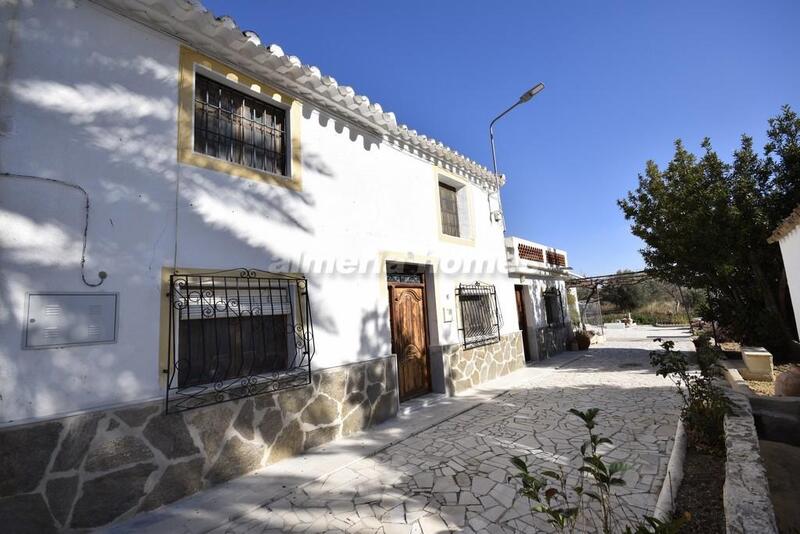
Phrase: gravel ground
[768,388]
[701,493]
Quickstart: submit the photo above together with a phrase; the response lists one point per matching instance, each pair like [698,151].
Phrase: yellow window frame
[190,62]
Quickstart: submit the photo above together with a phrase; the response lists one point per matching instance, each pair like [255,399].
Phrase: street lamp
[526,96]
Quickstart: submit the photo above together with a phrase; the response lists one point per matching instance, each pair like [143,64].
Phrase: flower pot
[583,340]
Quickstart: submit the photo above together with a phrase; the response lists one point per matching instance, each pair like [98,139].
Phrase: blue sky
[623,81]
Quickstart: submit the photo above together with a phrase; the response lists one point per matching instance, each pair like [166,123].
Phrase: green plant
[572,306]
[704,402]
[555,502]
[651,525]
[563,506]
[705,224]
[605,475]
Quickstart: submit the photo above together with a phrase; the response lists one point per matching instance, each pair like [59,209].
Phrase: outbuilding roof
[789,223]
[191,22]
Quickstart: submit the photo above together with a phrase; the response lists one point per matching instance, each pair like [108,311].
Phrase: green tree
[626,297]
[705,225]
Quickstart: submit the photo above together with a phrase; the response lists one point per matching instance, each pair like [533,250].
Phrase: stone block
[333,384]
[60,494]
[374,391]
[384,409]
[237,458]
[211,423]
[376,371]
[289,443]
[137,416]
[80,432]
[356,420]
[356,379]
[270,426]
[168,433]
[320,436]
[293,401]
[759,364]
[746,495]
[265,400]
[321,411]
[114,453]
[244,421]
[178,480]
[105,498]
[24,456]
[26,514]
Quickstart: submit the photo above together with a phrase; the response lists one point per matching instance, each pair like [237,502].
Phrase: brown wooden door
[409,338]
[523,323]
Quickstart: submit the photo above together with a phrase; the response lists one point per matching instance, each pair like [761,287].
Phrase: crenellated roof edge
[191,22]
[787,225]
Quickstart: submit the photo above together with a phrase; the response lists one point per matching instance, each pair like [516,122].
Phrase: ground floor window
[235,334]
[480,315]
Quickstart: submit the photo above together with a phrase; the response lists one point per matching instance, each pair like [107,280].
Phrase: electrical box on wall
[59,319]
[447,314]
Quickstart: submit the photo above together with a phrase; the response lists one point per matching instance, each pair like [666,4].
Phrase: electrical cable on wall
[102,275]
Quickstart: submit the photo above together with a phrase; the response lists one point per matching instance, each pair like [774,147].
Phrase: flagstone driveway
[454,476]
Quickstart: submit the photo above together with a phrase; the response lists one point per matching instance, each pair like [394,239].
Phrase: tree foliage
[626,297]
[705,225]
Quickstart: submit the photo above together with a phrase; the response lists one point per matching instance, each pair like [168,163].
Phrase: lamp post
[526,96]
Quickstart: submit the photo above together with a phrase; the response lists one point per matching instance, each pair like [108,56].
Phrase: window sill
[203,161]
[467,241]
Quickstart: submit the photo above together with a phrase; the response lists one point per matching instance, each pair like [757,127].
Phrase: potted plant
[584,339]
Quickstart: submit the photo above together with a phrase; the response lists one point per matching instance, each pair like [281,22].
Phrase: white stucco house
[213,257]
[787,235]
[543,301]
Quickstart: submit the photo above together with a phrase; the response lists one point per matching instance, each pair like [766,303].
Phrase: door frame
[519,293]
[421,285]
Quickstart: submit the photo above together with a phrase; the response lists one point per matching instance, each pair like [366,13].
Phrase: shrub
[564,506]
[704,402]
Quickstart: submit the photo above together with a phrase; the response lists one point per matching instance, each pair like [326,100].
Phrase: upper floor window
[448,200]
[233,126]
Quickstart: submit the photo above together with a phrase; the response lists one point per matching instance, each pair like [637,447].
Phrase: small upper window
[448,201]
[235,127]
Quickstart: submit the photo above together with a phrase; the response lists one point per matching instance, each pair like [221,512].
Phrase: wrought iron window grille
[553,306]
[405,278]
[234,127]
[480,315]
[448,204]
[235,334]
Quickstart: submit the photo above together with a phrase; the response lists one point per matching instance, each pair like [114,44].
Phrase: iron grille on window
[553,307]
[448,201]
[235,334]
[480,316]
[232,126]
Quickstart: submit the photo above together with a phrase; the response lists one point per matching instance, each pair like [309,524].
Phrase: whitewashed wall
[790,250]
[92,99]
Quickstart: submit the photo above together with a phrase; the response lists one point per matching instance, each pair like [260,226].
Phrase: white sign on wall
[59,319]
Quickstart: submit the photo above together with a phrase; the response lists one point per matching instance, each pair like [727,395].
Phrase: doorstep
[218,505]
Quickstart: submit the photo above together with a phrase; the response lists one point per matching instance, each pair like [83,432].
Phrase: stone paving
[454,476]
